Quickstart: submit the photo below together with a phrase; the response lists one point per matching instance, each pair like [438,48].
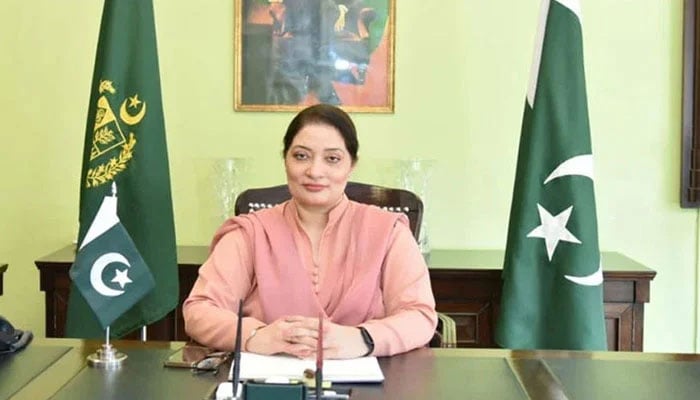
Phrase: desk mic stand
[106,357]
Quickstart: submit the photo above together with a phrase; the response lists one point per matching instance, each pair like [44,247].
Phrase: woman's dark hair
[324,114]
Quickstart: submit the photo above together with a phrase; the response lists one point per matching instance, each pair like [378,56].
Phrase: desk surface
[16,372]
[421,374]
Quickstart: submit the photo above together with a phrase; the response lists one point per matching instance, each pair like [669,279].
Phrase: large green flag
[552,278]
[125,143]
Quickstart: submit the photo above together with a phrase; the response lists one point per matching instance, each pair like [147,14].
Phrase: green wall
[462,68]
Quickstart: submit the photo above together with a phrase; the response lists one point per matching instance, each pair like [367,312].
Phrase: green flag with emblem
[552,278]
[107,252]
[125,143]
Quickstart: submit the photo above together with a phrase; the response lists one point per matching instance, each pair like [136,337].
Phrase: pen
[178,364]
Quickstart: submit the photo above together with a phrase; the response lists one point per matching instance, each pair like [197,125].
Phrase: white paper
[225,391]
[256,366]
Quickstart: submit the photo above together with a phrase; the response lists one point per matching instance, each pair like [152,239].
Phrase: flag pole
[144,331]
[107,357]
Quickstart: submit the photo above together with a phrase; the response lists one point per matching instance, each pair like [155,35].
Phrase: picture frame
[293,53]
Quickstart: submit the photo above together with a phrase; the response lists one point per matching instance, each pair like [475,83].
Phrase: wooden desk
[3,268]
[466,283]
[424,373]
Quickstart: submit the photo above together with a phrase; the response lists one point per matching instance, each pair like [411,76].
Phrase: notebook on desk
[357,370]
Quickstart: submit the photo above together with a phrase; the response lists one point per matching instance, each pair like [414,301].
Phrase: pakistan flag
[125,144]
[552,278]
[108,252]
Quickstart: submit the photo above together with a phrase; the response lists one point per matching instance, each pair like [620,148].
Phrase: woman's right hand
[294,335]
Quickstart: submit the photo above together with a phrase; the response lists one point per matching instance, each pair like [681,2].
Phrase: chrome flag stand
[106,357]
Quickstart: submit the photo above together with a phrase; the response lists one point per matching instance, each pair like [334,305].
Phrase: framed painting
[293,53]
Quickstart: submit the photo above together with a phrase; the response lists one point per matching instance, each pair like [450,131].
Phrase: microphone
[231,390]
[237,351]
[319,359]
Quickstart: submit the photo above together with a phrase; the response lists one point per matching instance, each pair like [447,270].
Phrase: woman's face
[318,166]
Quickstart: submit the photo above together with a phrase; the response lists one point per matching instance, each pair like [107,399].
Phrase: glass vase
[228,176]
[414,175]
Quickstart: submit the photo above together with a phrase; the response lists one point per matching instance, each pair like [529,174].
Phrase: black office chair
[391,199]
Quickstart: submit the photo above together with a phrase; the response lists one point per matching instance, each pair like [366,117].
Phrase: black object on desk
[274,391]
[289,391]
[12,339]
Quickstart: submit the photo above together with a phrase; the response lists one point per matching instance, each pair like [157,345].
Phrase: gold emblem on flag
[108,135]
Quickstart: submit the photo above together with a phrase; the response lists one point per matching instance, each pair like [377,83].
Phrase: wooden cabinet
[466,283]
[467,287]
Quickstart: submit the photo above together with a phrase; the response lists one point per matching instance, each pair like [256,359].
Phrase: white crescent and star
[121,276]
[553,229]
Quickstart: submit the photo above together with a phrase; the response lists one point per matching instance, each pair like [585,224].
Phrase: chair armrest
[447,331]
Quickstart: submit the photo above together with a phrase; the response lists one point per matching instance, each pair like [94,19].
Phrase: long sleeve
[373,275]
[224,278]
[408,299]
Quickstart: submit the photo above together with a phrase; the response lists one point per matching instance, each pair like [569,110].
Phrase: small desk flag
[108,270]
[552,277]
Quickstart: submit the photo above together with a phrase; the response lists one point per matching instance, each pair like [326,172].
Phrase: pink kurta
[370,273]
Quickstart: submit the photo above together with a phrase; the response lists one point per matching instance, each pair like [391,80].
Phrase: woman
[316,254]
